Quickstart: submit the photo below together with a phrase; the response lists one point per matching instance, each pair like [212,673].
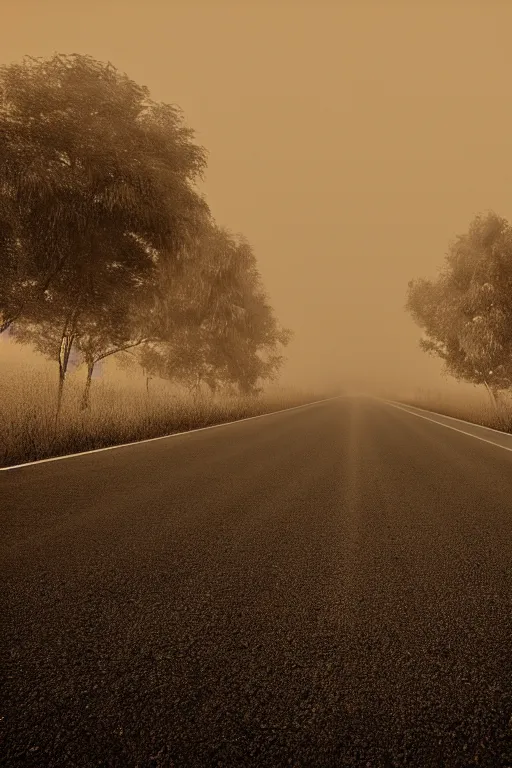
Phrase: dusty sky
[349,141]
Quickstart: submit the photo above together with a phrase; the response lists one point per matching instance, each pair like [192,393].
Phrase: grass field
[121,411]
[473,405]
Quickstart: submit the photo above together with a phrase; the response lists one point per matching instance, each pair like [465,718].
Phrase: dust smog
[299,211]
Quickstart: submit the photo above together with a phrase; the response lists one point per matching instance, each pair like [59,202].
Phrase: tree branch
[119,349]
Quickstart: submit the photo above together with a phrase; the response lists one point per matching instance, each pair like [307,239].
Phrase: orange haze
[349,141]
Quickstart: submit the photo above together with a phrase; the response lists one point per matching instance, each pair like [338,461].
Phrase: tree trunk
[86,396]
[63,360]
[194,389]
[60,391]
[66,344]
[494,400]
[491,396]
[6,324]
[146,375]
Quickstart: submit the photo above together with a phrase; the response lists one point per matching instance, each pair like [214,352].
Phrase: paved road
[328,586]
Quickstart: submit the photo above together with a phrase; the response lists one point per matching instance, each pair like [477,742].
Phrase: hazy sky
[349,141]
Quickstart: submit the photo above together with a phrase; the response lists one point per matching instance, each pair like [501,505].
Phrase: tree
[105,244]
[216,325]
[107,331]
[466,314]
[84,149]
[228,334]
[243,332]
[92,316]
[96,194]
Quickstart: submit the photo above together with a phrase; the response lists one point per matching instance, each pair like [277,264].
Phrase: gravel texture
[329,586]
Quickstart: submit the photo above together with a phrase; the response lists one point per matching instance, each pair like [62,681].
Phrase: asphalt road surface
[328,586]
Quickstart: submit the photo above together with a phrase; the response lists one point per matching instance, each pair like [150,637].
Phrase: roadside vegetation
[108,251]
[466,318]
[476,409]
[124,409]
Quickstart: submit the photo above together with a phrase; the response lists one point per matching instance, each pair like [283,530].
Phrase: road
[328,586]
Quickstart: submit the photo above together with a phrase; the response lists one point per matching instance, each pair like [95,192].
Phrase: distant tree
[227,334]
[217,327]
[85,155]
[466,314]
[244,337]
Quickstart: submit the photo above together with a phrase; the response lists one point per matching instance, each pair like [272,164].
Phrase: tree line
[466,312]
[106,245]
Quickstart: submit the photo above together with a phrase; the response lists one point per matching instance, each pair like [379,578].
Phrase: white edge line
[445,416]
[165,437]
[448,426]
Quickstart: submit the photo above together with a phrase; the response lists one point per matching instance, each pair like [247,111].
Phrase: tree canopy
[94,175]
[106,243]
[216,324]
[466,313]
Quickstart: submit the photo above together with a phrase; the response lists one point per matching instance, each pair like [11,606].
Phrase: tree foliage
[466,313]
[105,243]
[217,326]
[87,161]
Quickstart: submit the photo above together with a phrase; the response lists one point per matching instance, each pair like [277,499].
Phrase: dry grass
[471,404]
[121,410]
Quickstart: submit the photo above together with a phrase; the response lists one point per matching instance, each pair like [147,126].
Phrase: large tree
[108,309]
[96,195]
[99,217]
[466,313]
[86,155]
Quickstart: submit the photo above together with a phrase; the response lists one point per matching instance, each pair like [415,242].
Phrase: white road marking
[448,426]
[165,437]
[452,418]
